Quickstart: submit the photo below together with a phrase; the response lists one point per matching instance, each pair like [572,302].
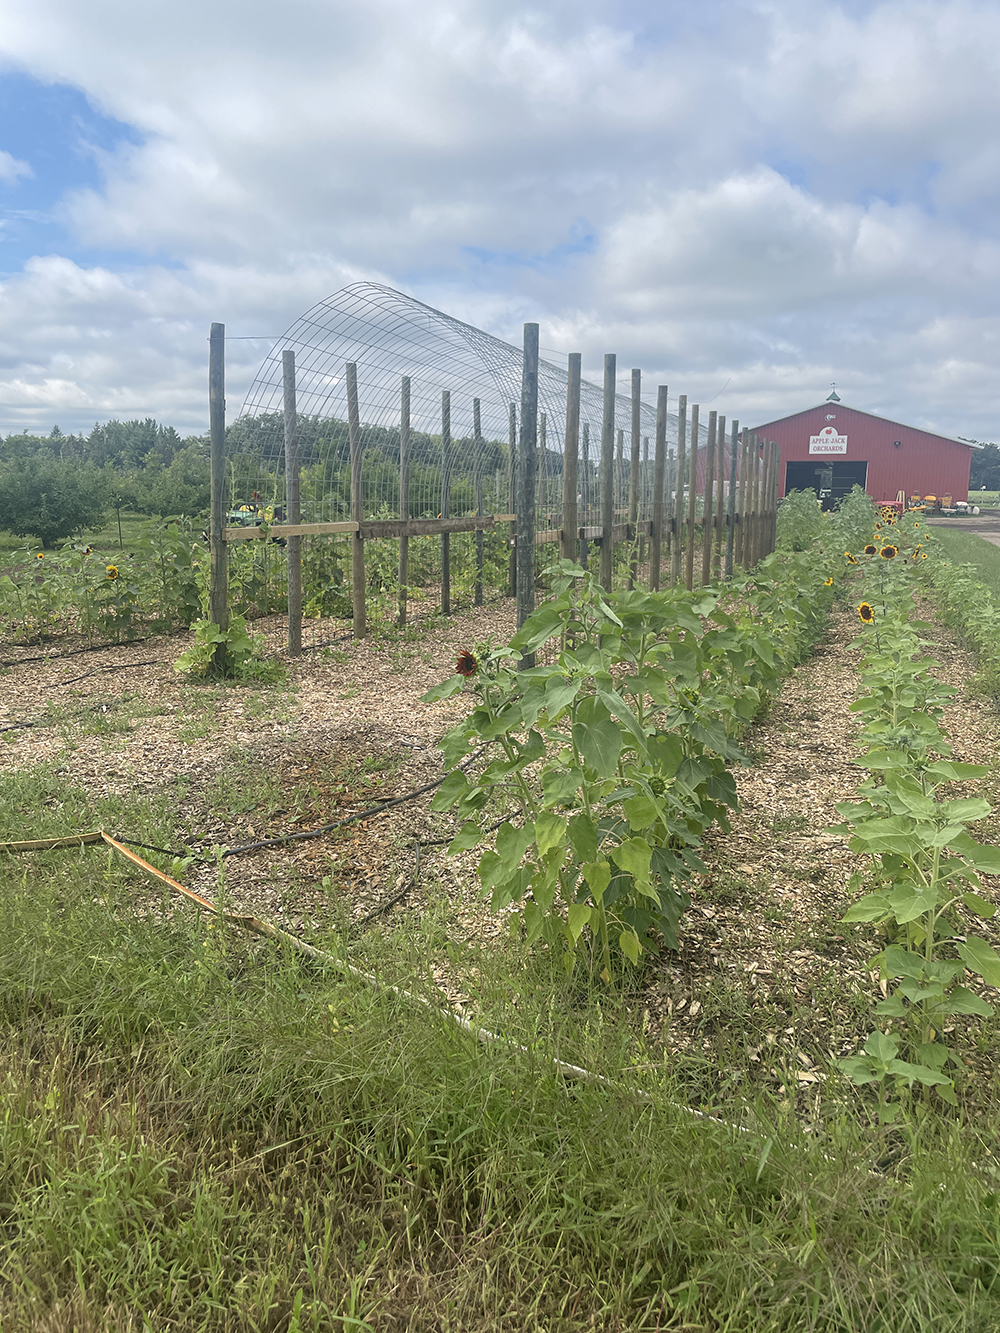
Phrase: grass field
[202,1133]
[970,548]
[104,540]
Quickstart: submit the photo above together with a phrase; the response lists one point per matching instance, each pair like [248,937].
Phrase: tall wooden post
[741,517]
[692,499]
[765,500]
[731,507]
[620,509]
[293,508]
[754,500]
[719,521]
[404,495]
[527,452]
[477,481]
[708,502]
[775,486]
[445,501]
[218,585]
[512,496]
[677,521]
[543,445]
[633,474]
[357,504]
[587,492]
[607,472]
[659,470]
[570,514]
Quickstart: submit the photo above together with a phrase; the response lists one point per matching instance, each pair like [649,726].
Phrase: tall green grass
[969,548]
[200,1133]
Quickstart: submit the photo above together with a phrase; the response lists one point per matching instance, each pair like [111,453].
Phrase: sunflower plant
[607,765]
[923,863]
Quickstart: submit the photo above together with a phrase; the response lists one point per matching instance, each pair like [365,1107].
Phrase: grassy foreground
[199,1133]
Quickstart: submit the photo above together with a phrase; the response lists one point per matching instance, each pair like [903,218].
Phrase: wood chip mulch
[765,969]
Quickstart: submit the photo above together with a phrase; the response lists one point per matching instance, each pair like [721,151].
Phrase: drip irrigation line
[351,819]
[329,828]
[111,666]
[165,851]
[73,652]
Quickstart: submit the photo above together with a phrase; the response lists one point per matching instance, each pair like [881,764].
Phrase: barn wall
[924,463]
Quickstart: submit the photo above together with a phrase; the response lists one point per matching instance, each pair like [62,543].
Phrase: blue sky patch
[56,130]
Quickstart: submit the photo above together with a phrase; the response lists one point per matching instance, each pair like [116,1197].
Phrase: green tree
[985,469]
[182,487]
[50,498]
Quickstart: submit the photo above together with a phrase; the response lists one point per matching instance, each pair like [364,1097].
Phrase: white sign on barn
[828,442]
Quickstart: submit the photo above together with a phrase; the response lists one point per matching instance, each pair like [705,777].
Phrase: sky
[748,200]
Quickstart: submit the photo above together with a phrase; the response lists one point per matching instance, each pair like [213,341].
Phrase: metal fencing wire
[389,335]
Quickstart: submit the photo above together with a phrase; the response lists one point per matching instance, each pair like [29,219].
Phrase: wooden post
[293,509]
[633,474]
[445,501]
[587,493]
[218,586]
[741,517]
[570,513]
[753,554]
[692,499]
[357,504]
[404,494]
[775,483]
[669,500]
[645,503]
[765,501]
[707,503]
[731,507]
[607,471]
[719,521]
[677,511]
[542,448]
[477,478]
[527,453]
[620,474]
[512,496]
[659,469]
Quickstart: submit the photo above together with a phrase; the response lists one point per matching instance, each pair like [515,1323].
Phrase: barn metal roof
[889,421]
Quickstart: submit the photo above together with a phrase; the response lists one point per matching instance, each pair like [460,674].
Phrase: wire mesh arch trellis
[389,335]
[369,359]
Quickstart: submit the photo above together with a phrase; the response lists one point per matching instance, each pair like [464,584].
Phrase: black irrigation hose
[75,652]
[111,666]
[329,828]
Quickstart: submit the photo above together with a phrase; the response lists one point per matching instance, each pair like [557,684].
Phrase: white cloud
[12,169]
[777,194]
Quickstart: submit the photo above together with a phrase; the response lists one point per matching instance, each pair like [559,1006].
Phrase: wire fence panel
[449,393]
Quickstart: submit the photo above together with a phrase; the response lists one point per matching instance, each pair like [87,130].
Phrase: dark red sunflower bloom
[467,665]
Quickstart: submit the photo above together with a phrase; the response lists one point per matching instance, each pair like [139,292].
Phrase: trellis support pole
[218,587]
[293,509]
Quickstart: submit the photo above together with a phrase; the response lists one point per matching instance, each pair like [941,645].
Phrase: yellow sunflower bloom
[867,612]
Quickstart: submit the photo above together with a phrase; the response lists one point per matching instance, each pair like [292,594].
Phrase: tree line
[55,485]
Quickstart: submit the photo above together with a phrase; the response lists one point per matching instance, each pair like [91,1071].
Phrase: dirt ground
[760,941]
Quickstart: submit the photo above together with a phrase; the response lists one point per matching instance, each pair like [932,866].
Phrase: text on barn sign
[828,442]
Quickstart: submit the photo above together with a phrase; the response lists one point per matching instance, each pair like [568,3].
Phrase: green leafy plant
[923,861]
[238,660]
[609,764]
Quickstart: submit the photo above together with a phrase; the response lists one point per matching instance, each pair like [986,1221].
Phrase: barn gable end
[884,457]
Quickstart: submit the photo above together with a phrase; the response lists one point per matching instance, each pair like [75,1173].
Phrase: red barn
[831,448]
